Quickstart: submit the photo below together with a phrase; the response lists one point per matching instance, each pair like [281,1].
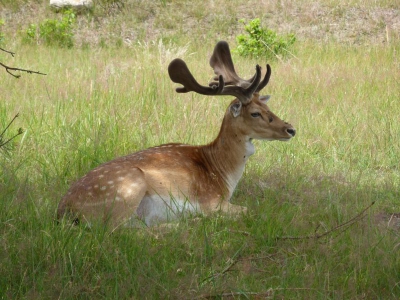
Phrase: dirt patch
[351,24]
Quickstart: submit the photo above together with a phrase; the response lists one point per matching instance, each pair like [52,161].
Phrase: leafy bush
[53,32]
[263,42]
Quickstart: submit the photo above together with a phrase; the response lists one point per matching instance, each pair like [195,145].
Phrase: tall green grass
[97,104]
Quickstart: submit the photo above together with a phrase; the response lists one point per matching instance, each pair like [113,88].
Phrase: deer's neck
[227,155]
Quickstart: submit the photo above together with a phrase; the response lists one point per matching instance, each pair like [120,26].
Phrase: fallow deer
[160,183]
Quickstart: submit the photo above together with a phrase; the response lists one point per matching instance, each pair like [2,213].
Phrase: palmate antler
[221,62]
[229,83]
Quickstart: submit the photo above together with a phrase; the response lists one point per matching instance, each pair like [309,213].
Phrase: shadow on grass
[209,256]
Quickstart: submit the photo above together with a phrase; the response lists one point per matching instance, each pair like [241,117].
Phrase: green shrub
[31,33]
[262,42]
[53,32]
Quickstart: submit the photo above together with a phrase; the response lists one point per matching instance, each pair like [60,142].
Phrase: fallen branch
[240,232]
[268,293]
[342,226]
[232,261]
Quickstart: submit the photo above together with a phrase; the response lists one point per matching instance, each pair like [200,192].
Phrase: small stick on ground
[342,226]
[232,262]
[265,294]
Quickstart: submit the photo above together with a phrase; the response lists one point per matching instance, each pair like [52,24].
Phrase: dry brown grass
[127,22]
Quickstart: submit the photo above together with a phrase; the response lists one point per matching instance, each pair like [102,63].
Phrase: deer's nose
[291,131]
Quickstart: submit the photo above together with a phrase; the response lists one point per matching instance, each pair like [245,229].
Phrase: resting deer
[160,183]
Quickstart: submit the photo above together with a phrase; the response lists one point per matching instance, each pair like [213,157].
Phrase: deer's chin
[273,139]
[285,139]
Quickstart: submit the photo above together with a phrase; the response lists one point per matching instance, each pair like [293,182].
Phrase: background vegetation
[110,94]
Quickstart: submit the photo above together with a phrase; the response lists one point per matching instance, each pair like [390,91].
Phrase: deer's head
[249,112]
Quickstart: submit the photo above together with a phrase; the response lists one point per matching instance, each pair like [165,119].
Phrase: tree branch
[9,69]
[9,52]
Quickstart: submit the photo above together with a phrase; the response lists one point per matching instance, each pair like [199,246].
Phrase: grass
[98,103]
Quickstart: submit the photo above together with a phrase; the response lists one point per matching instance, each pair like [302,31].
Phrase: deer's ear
[235,108]
[264,99]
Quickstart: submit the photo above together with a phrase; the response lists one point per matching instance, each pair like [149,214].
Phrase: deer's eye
[270,119]
[255,115]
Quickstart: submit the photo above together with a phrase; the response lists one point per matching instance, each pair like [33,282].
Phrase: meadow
[323,209]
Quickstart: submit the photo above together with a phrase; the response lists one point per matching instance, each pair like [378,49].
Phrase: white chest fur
[234,177]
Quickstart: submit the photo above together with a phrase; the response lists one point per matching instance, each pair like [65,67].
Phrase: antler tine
[244,94]
[265,81]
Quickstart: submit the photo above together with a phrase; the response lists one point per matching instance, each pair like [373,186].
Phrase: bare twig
[342,227]
[8,69]
[267,293]
[20,131]
[269,256]
[16,116]
[232,261]
[9,52]
[240,232]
